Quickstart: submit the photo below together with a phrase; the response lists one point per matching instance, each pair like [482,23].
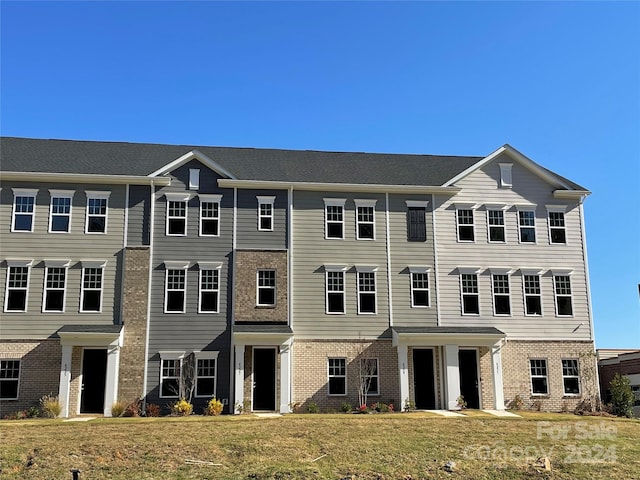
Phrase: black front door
[423,383]
[264,379]
[468,361]
[94,375]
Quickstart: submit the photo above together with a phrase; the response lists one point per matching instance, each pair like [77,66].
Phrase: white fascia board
[197,155]
[84,178]
[337,187]
[578,195]
[439,339]
[262,338]
[91,339]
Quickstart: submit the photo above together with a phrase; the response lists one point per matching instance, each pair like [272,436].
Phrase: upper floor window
[334,217]
[96,221]
[505,175]
[495,220]
[501,294]
[15,299]
[562,284]
[24,204]
[416,221]
[206,370]
[91,290]
[175,287]
[538,371]
[265,213]
[532,295]
[570,376]
[335,289]
[210,215]
[557,230]
[55,286]
[194,178]
[527,225]
[60,211]
[419,287]
[176,214]
[466,230]
[337,376]
[365,219]
[209,289]
[266,288]
[9,379]
[367,302]
[470,293]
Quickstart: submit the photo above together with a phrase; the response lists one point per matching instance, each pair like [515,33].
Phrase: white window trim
[17,264]
[522,209]
[365,204]
[265,200]
[495,272]
[496,208]
[417,203]
[506,178]
[531,377]
[469,271]
[19,360]
[335,269]
[376,376]
[466,206]
[208,355]
[258,287]
[525,295]
[175,266]
[560,273]
[373,270]
[564,392]
[23,192]
[206,198]
[96,195]
[329,377]
[55,264]
[333,202]
[206,266]
[92,264]
[171,355]
[61,194]
[194,178]
[424,270]
[177,197]
[557,209]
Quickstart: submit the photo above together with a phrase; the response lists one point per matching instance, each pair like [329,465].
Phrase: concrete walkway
[502,413]
[445,413]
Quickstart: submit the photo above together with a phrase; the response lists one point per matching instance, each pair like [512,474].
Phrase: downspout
[388,242]
[232,348]
[152,210]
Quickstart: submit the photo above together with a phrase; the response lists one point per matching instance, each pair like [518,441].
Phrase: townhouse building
[274,278]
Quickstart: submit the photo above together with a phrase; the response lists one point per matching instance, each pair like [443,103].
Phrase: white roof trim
[340,202]
[418,269]
[366,268]
[171,354]
[335,268]
[176,265]
[178,196]
[84,178]
[531,271]
[417,203]
[209,197]
[466,206]
[197,155]
[475,270]
[57,263]
[361,202]
[561,271]
[501,270]
[25,192]
[526,206]
[266,199]
[14,262]
[97,193]
[62,193]
[93,263]
[209,265]
[496,206]
[205,354]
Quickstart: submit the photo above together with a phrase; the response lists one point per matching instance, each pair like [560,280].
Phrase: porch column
[65,380]
[111,388]
[285,376]
[496,362]
[238,396]
[403,365]
[452,372]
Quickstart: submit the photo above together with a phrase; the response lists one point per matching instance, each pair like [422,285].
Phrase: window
[265,213]
[96,221]
[470,294]
[60,211]
[562,285]
[501,297]
[527,226]
[91,291]
[334,217]
[369,375]
[532,295]
[335,290]
[210,215]
[337,376]
[495,219]
[636,395]
[54,288]
[175,293]
[170,374]
[416,224]
[557,232]
[505,175]
[15,299]
[209,290]
[539,385]
[9,378]
[465,225]
[194,178]
[266,288]
[365,219]
[24,204]
[176,214]
[570,376]
[206,363]
[419,287]
[367,291]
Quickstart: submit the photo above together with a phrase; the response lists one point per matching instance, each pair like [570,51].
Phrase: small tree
[621,396]
[368,368]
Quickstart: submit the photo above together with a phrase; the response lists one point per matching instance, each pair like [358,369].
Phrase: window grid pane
[97,206]
[335,281]
[570,367]
[365,214]
[210,209]
[209,280]
[532,285]
[334,213]
[501,284]
[60,205]
[93,278]
[177,209]
[527,219]
[465,217]
[9,369]
[556,219]
[18,277]
[366,281]
[266,278]
[563,285]
[55,278]
[469,283]
[24,204]
[175,279]
[538,368]
[496,217]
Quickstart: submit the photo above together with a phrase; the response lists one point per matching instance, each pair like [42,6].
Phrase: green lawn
[379,446]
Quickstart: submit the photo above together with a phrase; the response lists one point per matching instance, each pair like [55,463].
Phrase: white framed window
[9,379]
[470,294]
[505,175]
[337,373]
[17,288]
[532,294]
[527,223]
[465,223]
[419,287]
[501,294]
[171,373]
[495,221]
[367,302]
[369,376]
[210,215]
[562,288]
[557,228]
[538,373]
[96,218]
[209,296]
[176,214]
[91,287]
[60,211]
[206,373]
[175,287]
[334,218]
[416,220]
[194,178]
[335,293]
[266,295]
[24,208]
[571,376]
[265,213]
[365,219]
[55,285]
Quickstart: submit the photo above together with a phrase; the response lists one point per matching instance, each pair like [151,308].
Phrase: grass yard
[333,446]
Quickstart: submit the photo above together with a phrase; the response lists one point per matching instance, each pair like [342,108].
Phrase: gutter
[85,178]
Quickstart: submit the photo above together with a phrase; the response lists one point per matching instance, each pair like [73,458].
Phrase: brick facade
[626,364]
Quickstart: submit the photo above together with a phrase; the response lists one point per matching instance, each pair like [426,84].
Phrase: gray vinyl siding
[138,224]
[310,251]
[481,188]
[406,253]
[75,246]
[249,237]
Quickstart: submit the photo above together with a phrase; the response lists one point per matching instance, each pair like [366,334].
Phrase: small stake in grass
[321,456]
[75,474]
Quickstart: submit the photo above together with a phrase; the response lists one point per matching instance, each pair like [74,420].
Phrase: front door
[423,381]
[468,361]
[94,375]
[264,379]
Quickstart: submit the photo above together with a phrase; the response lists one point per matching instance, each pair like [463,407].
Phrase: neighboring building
[625,362]
[270,278]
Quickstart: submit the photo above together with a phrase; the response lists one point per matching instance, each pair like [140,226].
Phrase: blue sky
[558,81]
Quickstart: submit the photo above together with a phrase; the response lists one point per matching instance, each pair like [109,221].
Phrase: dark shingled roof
[141,159]
[90,329]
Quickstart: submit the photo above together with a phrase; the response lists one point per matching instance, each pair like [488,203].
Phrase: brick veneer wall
[437,359]
[624,367]
[310,371]
[134,317]
[247,263]
[76,381]
[39,371]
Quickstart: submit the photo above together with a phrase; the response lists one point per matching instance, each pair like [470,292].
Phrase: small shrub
[50,406]
[346,407]
[536,405]
[517,403]
[313,408]
[181,408]
[383,408]
[409,405]
[461,402]
[622,398]
[134,409]
[363,409]
[244,407]
[295,407]
[32,412]
[214,407]
[152,410]
[117,409]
